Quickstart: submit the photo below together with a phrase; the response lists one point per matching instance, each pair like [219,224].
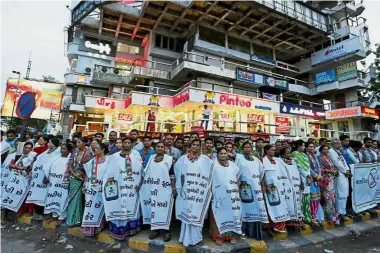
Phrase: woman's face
[41,141]
[160,149]
[271,151]
[27,149]
[93,144]
[229,148]
[51,145]
[247,149]
[127,144]
[119,144]
[80,143]
[301,148]
[64,151]
[325,150]
[310,148]
[98,150]
[195,147]
[222,155]
[287,153]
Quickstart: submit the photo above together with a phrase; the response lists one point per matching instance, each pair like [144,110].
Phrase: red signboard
[125,117]
[282,125]
[181,98]
[199,130]
[255,118]
[370,112]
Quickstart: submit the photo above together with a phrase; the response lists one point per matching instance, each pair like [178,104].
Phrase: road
[21,238]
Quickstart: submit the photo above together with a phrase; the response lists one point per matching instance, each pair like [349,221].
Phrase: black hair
[159,142]
[148,137]
[11,132]
[309,140]
[105,147]
[355,144]
[97,141]
[45,138]
[83,139]
[178,139]
[297,144]
[134,130]
[69,147]
[343,137]
[2,133]
[55,141]
[321,148]
[260,139]
[229,143]
[237,139]
[307,144]
[209,139]
[321,140]
[283,150]
[194,133]
[267,147]
[367,139]
[195,140]
[28,143]
[220,149]
[99,133]
[278,141]
[219,142]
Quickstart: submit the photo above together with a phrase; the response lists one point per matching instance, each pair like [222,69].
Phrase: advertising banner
[255,118]
[48,97]
[365,186]
[341,49]
[300,110]
[347,71]
[325,77]
[105,103]
[260,79]
[343,113]
[283,125]
[264,60]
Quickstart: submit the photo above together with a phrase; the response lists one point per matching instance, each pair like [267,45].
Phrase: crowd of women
[240,188]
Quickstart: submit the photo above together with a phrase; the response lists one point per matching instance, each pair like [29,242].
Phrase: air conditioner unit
[88,70]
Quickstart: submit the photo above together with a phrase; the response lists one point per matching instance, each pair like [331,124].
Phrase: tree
[374,87]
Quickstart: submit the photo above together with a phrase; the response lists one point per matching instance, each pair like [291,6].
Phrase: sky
[37,27]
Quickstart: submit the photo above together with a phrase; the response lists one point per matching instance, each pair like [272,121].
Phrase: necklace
[159,158]
[271,160]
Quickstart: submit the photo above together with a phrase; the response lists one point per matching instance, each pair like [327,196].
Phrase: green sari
[75,208]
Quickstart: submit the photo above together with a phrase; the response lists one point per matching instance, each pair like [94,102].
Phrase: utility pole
[29,67]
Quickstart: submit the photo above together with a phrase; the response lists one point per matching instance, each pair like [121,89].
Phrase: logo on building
[102,48]
[334,50]
[209,97]
[235,101]
[154,101]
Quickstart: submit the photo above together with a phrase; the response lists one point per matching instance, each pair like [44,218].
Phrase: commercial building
[283,68]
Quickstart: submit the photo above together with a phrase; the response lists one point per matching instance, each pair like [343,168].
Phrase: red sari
[40,149]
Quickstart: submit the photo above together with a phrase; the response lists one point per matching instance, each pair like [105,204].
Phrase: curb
[274,242]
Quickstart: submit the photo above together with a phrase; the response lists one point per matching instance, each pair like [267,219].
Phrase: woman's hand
[268,190]
[174,192]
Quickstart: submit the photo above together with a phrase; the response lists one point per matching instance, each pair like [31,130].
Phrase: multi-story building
[277,67]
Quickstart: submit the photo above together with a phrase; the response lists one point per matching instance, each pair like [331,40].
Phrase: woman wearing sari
[120,196]
[5,166]
[315,191]
[329,172]
[254,212]
[76,175]
[295,179]
[57,197]
[304,168]
[226,212]
[93,217]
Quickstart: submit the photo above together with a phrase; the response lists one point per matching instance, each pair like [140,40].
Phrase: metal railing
[112,70]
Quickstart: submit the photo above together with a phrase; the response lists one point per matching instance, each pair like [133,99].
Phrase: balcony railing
[111,74]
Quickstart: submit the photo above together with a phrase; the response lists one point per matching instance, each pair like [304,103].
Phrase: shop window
[212,36]
[121,47]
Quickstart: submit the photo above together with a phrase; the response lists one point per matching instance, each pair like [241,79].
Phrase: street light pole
[18,83]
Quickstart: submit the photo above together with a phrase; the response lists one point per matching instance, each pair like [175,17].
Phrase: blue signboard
[260,79]
[264,60]
[325,77]
[300,110]
[26,105]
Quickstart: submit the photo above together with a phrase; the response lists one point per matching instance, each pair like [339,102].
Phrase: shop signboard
[341,49]
[370,112]
[48,97]
[260,79]
[105,103]
[286,66]
[347,71]
[97,46]
[124,117]
[153,100]
[343,113]
[325,77]
[181,97]
[199,130]
[249,77]
[264,60]
[255,118]
[300,110]
[122,57]
[282,125]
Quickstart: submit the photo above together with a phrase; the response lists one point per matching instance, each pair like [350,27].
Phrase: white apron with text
[121,201]
[156,194]
[5,170]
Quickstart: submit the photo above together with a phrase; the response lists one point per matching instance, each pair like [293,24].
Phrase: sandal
[201,243]
[233,241]
[50,220]
[218,242]
[167,237]
[343,217]
[153,235]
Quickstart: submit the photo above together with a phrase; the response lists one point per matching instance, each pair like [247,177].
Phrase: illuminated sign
[301,110]
[343,113]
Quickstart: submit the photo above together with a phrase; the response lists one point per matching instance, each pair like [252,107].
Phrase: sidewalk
[274,242]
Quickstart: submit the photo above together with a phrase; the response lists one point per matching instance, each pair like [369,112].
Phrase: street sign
[26,105]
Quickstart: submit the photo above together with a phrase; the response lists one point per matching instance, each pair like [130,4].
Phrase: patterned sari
[75,207]
[328,189]
[304,168]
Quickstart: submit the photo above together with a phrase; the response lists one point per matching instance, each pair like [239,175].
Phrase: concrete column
[251,49]
[231,88]
[274,54]
[226,41]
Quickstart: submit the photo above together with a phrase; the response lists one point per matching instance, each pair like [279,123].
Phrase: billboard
[347,71]
[325,77]
[48,97]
